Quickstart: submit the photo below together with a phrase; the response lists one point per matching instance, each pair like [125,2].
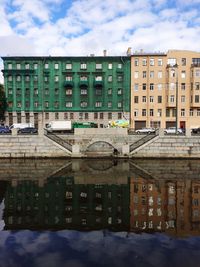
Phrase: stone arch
[100,147]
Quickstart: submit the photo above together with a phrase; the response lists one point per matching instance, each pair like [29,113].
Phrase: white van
[21,125]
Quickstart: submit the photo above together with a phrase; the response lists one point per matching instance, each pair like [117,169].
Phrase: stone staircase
[55,138]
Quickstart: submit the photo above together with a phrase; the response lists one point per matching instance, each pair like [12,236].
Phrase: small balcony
[68,84]
[98,83]
[83,83]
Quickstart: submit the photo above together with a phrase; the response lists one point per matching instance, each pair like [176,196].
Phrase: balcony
[83,83]
[98,83]
[68,84]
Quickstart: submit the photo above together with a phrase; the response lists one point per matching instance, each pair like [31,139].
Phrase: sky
[84,27]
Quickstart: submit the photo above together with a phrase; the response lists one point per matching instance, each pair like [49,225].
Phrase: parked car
[28,130]
[145,130]
[4,129]
[172,130]
[196,130]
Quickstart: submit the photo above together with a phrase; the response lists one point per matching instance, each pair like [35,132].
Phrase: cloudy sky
[83,27]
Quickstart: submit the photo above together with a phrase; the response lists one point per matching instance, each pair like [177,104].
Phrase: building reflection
[110,196]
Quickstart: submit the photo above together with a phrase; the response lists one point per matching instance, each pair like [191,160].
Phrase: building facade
[165,89]
[42,89]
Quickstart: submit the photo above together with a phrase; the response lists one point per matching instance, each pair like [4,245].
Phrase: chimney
[128,53]
[104,53]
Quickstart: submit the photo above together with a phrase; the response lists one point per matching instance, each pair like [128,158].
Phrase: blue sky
[83,27]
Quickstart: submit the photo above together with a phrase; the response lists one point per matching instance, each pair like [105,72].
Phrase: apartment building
[165,89]
[42,89]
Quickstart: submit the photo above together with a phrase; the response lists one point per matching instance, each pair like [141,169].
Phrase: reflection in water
[102,204]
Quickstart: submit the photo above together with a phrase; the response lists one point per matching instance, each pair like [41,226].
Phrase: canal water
[91,212]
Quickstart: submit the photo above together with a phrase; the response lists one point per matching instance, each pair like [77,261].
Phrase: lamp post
[176,98]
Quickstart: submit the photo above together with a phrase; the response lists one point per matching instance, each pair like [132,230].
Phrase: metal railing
[143,140]
[58,140]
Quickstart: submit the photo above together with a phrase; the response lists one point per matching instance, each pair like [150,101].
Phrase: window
[36,91]
[110,66]
[109,91]
[191,112]
[144,86]
[83,66]
[151,112]
[172,86]
[35,78]
[144,112]
[98,78]
[68,91]
[83,104]
[18,78]
[174,112]
[151,61]
[27,66]
[68,66]
[46,79]
[56,66]
[98,66]
[144,74]
[119,104]
[27,78]
[182,112]
[101,116]
[136,86]
[46,65]
[56,91]
[95,115]
[18,66]
[171,61]
[98,91]
[144,62]
[151,74]
[136,62]
[183,61]
[159,86]
[119,115]
[151,86]
[46,116]
[86,116]
[68,78]
[159,112]
[196,99]
[135,112]
[68,104]
[109,115]
[159,99]
[46,91]
[98,104]
[197,86]
[19,104]
[159,74]
[56,104]
[83,78]
[136,74]
[109,104]
[171,98]
[110,78]
[71,116]
[18,92]
[182,99]
[56,78]
[119,91]
[10,92]
[144,99]
[136,99]
[119,65]
[151,98]
[46,104]
[10,66]
[183,74]
[167,112]
[119,78]
[35,66]
[9,78]
[182,86]
[197,73]
[36,104]
[83,91]
[56,116]
[160,62]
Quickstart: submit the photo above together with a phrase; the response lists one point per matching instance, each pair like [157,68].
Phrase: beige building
[165,89]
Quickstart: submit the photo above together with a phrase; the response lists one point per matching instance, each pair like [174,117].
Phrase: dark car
[4,129]
[28,130]
[196,130]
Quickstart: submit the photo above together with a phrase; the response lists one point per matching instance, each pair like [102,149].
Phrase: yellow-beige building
[165,89]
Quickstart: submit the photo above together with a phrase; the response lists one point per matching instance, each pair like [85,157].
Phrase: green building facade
[42,89]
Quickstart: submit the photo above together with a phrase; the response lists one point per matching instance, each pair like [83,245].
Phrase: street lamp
[175,69]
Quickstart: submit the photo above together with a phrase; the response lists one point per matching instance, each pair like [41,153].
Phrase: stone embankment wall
[29,146]
[170,147]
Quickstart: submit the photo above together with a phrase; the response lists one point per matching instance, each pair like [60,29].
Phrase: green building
[42,89]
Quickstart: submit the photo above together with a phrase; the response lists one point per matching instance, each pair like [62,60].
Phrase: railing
[143,140]
[58,140]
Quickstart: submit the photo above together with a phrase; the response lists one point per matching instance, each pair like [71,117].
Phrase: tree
[3,103]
